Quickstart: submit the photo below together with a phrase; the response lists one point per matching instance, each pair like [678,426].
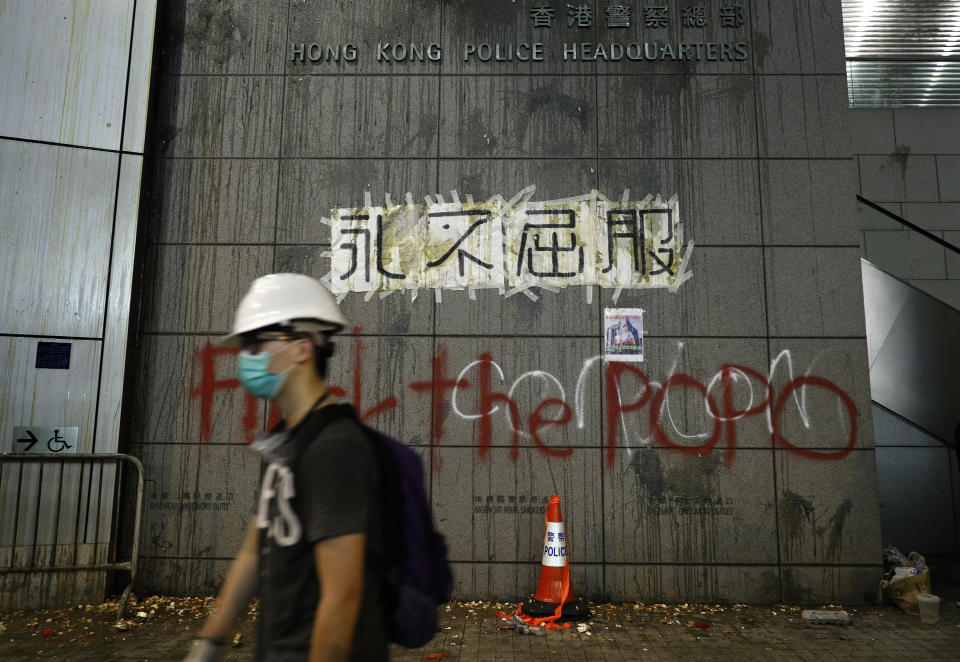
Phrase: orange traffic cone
[554,599]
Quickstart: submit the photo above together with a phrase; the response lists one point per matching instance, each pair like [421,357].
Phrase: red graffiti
[615,406]
[209,385]
[725,421]
[487,401]
[537,421]
[623,411]
[808,452]
[656,410]
[382,406]
[730,412]
[438,387]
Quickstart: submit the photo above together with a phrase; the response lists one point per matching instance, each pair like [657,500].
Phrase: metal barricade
[82,522]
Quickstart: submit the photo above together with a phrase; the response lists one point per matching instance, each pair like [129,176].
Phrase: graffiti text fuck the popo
[637,409]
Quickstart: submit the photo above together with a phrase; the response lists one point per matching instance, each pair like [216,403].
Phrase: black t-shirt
[320,483]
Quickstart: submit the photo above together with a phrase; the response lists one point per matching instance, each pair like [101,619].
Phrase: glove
[205,649]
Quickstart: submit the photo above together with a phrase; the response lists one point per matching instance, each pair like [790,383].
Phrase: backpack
[417,575]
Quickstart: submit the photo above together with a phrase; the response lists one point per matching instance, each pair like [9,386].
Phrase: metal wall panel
[828,583]
[219,116]
[179,208]
[916,504]
[727,301]
[32,396]
[719,198]
[182,398]
[68,227]
[676,116]
[798,36]
[56,208]
[899,177]
[227,37]
[792,123]
[902,53]
[138,83]
[711,583]
[812,291]
[376,374]
[495,514]
[313,188]
[65,70]
[517,116]
[115,334]
[672,508]
[827,511]
[534,370]
[685,418]
[354,122]
[826,219]
[46,397]
[916,346]
[194,287]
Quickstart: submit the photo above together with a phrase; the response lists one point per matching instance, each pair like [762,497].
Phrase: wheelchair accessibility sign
[44,439]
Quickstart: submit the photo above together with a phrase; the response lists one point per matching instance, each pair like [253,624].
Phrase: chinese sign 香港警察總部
[511,246]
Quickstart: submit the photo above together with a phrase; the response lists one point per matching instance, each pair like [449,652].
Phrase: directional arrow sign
[31,441]
[45,439]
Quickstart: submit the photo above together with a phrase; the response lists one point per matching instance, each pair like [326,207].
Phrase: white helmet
[288,299]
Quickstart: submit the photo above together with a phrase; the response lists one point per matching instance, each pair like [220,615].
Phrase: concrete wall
[250,151]
[908,161]
[919,486]
[75,79]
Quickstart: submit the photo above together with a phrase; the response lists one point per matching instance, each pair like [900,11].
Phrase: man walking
[311,550]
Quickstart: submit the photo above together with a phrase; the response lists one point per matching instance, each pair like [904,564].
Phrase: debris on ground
[92,632]
[822,617]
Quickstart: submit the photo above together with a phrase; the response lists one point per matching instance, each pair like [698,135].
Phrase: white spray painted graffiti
[796,410]
[508,245]
[755,394]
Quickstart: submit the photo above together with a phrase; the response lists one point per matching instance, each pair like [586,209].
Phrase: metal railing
[31,499]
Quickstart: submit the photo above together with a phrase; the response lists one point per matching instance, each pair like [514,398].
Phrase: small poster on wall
[623,334]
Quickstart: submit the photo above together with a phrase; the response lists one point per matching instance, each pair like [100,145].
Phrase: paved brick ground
[472,632]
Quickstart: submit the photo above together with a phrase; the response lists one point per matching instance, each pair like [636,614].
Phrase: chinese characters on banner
[586,240]
[654,15]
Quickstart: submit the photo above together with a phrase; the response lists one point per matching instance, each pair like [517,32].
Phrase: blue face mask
[256,378]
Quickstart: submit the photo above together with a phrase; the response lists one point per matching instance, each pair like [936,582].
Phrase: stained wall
[75,76]
[736,464]
[908,161]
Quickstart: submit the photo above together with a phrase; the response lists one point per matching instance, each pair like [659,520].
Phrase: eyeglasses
[253,343]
